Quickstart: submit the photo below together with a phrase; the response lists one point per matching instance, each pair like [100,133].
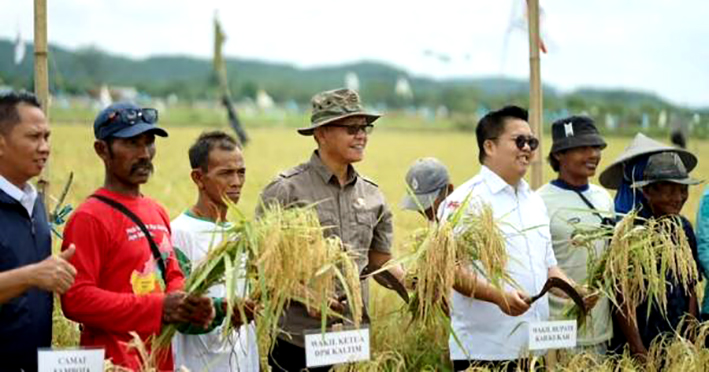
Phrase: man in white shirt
[218,171]
[575,204]
[491,324]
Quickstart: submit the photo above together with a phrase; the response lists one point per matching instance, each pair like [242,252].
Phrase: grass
[389,154]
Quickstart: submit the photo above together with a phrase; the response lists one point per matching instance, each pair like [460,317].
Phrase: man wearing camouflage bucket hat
[573,201]
[350,206]
[665,183]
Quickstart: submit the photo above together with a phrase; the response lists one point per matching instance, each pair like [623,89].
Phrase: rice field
[389,154]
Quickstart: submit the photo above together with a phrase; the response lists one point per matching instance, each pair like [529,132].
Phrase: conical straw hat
[612,176]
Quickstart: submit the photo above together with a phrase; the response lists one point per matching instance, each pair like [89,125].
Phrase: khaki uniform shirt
[356,213]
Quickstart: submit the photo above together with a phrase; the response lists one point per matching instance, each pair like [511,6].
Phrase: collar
[563,185]
[497,184]
[327,175]
[15,192]
[189,214]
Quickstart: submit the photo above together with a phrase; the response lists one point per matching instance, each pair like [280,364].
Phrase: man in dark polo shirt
[28,272]
[352,204]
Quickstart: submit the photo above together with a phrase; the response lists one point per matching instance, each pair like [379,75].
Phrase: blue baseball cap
[125,120]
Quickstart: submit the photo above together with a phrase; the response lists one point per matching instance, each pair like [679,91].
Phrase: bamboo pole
[535,90]
[41,79]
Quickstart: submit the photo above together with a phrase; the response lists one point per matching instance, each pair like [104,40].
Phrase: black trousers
[290,358]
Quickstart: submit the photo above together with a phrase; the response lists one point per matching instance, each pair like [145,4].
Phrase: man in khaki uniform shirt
[349,205]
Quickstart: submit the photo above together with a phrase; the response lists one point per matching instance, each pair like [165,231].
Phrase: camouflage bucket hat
[334,105]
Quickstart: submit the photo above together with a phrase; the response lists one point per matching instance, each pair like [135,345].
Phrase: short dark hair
[9,116]
[206,142]
[554,162]
[492,125]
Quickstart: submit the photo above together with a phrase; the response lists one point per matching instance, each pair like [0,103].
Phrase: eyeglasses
[353,130]
[522,140]
[131,116]
[532,141]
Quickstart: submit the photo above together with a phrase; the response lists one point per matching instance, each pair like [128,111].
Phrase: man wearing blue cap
[128,279]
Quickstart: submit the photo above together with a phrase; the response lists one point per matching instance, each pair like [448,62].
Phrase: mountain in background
[85,70]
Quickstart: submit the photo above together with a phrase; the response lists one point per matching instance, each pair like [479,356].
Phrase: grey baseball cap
[425,178]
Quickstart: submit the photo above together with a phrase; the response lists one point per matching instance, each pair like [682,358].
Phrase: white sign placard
[324,349]
[552,335]
[70,360]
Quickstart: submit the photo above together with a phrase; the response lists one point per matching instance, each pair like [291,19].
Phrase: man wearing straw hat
[490,324]
[629,167]
[664,185]
[574,203]
[428,184]
[353,205]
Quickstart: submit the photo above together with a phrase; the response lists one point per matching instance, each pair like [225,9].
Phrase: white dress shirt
[484,331]
[26,196]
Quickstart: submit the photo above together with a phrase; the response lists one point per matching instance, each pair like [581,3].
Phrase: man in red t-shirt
[124,282]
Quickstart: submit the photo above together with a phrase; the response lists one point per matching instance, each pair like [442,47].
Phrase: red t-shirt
[118,287]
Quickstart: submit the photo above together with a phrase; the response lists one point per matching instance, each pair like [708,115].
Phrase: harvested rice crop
[642,256]
[288,260]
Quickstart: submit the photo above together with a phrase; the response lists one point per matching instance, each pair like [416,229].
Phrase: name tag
[552,335]
[74,360]
[324,349]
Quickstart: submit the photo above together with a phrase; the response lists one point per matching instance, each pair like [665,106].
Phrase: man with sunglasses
[349,205]
[128,279]
[491,324]
[574,204]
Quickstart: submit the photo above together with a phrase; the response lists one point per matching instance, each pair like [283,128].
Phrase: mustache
[142,165]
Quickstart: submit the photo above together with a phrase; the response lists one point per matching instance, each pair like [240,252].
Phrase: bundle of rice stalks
[442,251]
[643,255]
[433,267]
[295,262]
[482,243]
[222,265]
[287,259]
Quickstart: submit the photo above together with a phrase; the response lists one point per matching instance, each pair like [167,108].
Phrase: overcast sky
[658,46]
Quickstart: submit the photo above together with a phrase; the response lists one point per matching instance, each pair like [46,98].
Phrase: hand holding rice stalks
[295,262]
[639,261]
[288,259]
[442,250]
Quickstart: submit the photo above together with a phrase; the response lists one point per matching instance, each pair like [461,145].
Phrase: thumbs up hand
[55,273]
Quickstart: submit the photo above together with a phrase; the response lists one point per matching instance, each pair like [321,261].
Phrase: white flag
[19,49]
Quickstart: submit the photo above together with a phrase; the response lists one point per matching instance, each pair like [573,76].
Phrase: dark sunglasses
[532,141]
[355,129]
[132,116]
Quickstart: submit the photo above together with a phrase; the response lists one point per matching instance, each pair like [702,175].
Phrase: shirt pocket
[364,229]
